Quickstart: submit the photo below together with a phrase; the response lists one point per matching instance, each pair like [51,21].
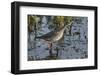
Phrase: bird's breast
[59,36]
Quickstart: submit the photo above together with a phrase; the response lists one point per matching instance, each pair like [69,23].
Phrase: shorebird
[53,36]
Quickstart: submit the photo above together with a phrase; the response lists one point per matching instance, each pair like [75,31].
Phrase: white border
[26,65]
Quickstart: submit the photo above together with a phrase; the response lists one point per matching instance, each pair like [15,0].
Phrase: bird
[53,36]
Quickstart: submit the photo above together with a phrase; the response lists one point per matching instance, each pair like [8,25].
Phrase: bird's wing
[47,35]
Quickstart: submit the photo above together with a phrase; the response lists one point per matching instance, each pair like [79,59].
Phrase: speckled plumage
[53,35]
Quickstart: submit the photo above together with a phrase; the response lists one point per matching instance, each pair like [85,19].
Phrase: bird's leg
[50,49]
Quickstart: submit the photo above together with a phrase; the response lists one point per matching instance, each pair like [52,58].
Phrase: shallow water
[74,46]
